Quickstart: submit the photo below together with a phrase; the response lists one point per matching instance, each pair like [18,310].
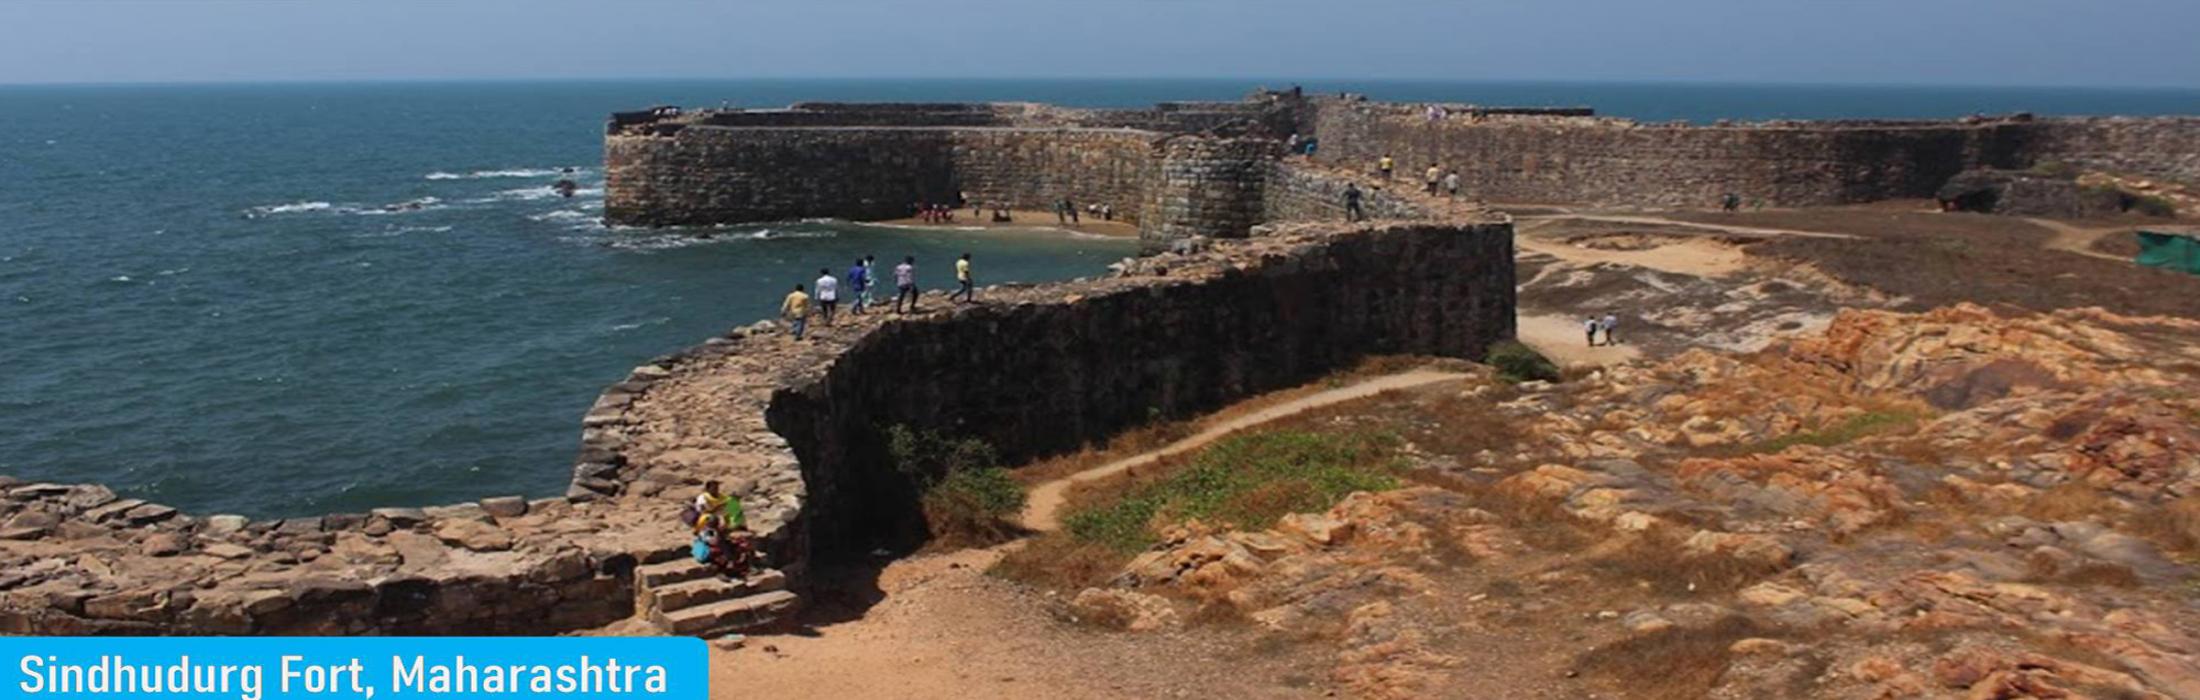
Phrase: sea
[287,299]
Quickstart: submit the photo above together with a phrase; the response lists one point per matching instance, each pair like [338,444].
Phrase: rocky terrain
[1954,503]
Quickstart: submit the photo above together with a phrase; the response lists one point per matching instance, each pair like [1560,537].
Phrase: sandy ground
[944,629]
[1560,338]
[1027,219]
[1697,256]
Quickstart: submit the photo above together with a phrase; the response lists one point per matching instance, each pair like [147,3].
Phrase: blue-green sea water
[288,299]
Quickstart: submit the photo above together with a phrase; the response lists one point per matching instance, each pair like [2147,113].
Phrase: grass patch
[1244,482]
[969,499]
[1058,562]
[1858,426]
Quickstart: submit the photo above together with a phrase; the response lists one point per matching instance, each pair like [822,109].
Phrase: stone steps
[746,613]
[687,598]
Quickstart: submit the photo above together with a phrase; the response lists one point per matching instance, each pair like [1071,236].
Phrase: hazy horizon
[2137,44]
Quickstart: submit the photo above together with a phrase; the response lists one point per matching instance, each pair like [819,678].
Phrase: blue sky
[1986,42]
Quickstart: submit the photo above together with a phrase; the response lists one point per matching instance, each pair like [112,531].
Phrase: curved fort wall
[793,428]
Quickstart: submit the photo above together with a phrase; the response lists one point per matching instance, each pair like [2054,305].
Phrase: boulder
[224,525]
[227,551]
[87,496]
[1123,610]
[163,544]
[504,506]
[400,518]
[473,534]
[1319,530]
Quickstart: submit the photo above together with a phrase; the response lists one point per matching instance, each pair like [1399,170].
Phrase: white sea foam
[404,207]
[563,215]
[506,172]
[291,208]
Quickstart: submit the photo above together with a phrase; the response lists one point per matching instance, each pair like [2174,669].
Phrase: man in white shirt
[828,295]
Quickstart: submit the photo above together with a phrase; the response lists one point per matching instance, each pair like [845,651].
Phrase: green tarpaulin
[2173,250]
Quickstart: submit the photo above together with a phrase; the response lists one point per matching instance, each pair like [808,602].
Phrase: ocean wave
[404,207]
[531,194]
[506,172]
[563,215]
[291,208]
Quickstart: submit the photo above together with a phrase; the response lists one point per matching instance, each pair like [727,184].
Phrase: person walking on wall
[1590,326]
[1431,177]
[828,295]
[1352,202]
[1385,166]
[905,284]
[796,309]
[962,277]
[1610,322]
[1451,184]
[859,286]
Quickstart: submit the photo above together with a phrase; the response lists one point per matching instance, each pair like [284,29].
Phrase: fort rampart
[793,428]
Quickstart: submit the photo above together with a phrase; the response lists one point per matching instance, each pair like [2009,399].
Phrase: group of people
[934,213]
[1435,180]
[861,280]
[721,530]
[1606,324]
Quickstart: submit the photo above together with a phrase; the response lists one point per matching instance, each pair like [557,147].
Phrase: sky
[2108,43]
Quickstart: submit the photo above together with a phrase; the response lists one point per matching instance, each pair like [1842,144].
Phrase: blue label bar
[355,668]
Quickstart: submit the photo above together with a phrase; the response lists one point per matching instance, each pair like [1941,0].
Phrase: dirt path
[1042,508]
[1560,338]
[945,629]
[2072,239]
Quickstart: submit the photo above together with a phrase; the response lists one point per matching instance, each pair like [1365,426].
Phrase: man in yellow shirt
[1385,166]
[962,277]
[796,309]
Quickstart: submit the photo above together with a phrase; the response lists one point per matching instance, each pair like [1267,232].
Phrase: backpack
[688,515]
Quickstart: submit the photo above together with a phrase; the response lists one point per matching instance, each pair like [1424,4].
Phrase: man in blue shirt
[859,285]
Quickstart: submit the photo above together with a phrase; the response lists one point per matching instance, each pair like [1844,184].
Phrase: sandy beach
[1025,219]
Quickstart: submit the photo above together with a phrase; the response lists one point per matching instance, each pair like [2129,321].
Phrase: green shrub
[2152,205]
[1519,363]
[968,498]
[1245,482]
[2053,169]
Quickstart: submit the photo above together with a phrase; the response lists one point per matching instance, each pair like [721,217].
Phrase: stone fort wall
[1217,169]
[1576,159]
